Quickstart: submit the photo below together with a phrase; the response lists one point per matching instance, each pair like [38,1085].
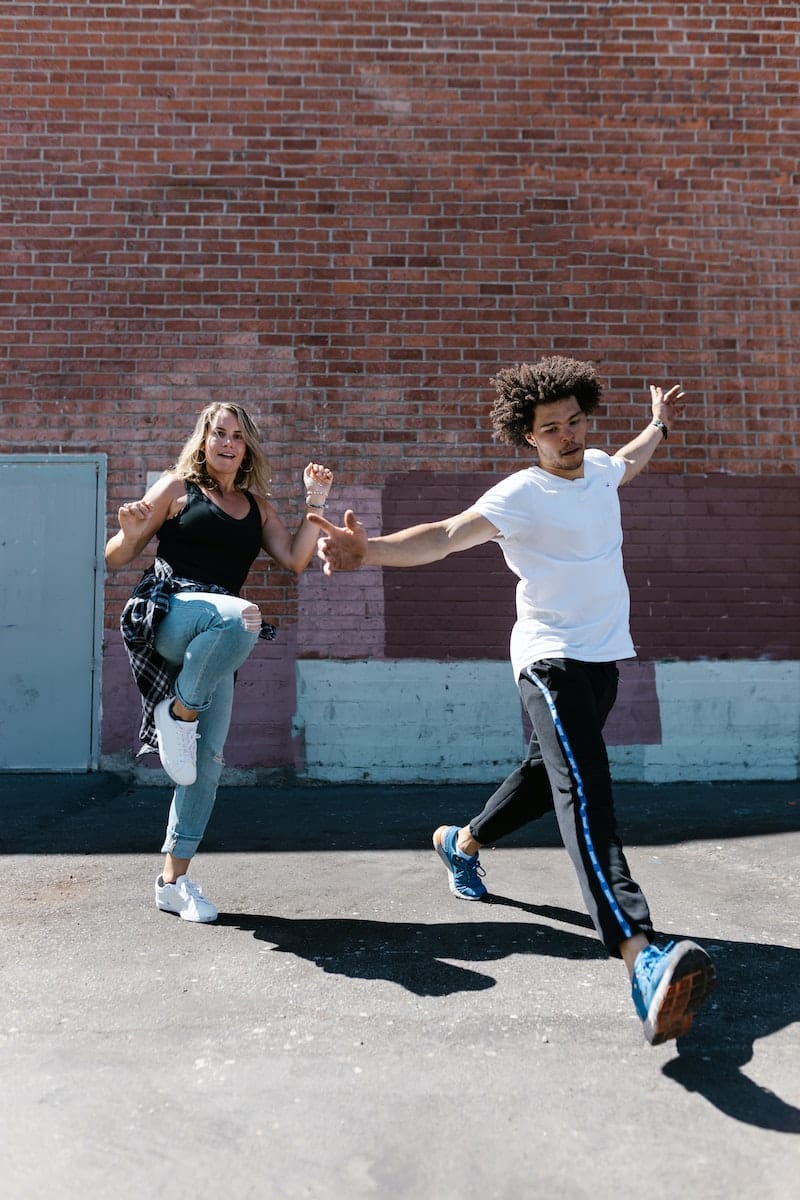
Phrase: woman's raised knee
[251,618]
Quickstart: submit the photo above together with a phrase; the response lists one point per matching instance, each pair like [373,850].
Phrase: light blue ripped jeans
[204,635]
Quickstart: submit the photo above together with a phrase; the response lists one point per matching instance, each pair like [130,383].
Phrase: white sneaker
[186,899]
[177,745]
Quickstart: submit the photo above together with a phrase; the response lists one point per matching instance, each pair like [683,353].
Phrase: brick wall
[346,216]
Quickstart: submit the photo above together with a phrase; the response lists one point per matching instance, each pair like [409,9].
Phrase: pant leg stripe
[587,837]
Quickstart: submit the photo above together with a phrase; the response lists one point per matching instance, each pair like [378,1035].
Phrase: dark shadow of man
[756,996]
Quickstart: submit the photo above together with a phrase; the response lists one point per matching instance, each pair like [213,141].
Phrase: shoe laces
[188,888]
[186,737]
[470,867]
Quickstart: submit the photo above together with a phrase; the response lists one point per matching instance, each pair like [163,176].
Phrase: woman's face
[225,446]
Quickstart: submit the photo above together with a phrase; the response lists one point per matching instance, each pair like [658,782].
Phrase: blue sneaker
[668,987]
[465,870]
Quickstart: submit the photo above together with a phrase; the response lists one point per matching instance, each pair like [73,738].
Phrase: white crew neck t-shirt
[563,539]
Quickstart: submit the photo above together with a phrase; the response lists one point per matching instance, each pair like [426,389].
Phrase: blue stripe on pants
[583,808]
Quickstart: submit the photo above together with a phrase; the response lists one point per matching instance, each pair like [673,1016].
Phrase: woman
[186,629]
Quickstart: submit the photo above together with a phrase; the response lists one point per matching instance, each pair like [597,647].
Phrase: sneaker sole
[173,912]
[439,848]
[682,991]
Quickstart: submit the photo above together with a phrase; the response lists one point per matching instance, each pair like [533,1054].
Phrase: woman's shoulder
[168,483]
[265,509]
[169,492]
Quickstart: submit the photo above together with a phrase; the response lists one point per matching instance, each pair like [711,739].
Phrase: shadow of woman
[756,996]
[424,959]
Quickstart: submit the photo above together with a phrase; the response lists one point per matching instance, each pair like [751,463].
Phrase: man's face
[559,437]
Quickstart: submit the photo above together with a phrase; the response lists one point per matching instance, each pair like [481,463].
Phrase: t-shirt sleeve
[506,506]
[617,467]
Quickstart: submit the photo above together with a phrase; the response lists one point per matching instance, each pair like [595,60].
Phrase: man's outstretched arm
[347,547]
[667,407]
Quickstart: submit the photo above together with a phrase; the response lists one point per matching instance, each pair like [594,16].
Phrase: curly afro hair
[520,389]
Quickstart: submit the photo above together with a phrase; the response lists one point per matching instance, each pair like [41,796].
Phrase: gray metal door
[51,541]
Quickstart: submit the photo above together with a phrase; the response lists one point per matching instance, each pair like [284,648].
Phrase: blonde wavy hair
[253,474]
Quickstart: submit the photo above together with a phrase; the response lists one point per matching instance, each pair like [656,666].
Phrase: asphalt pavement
[347,1029]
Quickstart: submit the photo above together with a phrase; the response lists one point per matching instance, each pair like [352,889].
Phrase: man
[558,525]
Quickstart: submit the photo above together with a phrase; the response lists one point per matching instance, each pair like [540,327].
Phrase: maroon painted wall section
[714,566]
[712,563]
[461,608]
[635,719]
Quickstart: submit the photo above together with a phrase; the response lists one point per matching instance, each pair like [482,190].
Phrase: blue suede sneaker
[465,871]
[668,987]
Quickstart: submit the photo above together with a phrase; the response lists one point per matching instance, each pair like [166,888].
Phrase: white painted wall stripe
[407,721]
[460,722]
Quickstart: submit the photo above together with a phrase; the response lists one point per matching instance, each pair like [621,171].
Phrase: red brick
[406,198]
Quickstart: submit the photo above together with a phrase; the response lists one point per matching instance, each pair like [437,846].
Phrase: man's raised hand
[341,547]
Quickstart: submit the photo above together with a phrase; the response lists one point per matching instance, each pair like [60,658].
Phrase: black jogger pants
[566,769]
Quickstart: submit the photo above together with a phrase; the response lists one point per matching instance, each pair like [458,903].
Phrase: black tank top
[206,544]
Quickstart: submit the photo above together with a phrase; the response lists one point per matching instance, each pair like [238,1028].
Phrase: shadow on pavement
[105,814]
[752,1000]
[756,996]
[414,955]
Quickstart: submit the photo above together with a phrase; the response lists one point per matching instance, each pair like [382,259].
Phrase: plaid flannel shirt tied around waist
[148,605]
